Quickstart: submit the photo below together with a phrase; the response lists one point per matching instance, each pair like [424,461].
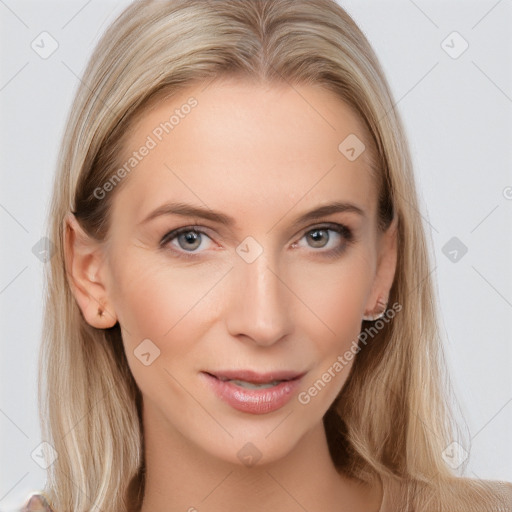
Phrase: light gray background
[458,115]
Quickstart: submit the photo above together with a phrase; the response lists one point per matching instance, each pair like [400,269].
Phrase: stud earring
[375,316]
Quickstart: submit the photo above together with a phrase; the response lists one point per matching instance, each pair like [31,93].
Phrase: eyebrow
[189,210]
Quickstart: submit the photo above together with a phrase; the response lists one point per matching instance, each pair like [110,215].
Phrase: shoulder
[452,495]
[36,503]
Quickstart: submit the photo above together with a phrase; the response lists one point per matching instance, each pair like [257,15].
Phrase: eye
[187,239]
[333,238]
[190,241]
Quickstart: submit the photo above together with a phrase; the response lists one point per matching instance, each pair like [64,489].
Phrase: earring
[100,312]
[372,317]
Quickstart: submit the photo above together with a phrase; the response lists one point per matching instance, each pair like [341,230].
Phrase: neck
[182,477]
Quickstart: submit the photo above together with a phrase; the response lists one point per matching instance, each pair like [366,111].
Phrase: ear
[386,267]
[84,263]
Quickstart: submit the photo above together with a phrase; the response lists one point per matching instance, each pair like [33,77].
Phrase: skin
[262,154]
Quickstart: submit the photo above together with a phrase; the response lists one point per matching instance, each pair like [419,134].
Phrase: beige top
[500,493]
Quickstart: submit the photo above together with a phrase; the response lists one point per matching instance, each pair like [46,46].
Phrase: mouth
[253,392]
[255,380]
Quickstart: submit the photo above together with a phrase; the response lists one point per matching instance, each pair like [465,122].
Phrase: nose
[258,308]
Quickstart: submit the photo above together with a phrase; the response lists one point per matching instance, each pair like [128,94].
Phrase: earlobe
[83,263]
[378,312]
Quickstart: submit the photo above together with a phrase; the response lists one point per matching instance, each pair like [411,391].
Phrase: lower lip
[253,401]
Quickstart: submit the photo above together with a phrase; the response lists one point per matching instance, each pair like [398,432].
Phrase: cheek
[336,295]
[155,298]
[166,304]
[337,301]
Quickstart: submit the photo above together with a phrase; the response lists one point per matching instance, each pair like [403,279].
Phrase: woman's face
[265,290]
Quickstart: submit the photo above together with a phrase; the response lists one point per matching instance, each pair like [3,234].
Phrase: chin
[255,442]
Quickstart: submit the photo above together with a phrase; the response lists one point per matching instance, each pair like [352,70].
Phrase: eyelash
[341,229]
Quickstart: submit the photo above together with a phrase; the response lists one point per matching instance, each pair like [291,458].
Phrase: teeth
[252,385]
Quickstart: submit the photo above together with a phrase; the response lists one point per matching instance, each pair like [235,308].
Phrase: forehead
[246,148]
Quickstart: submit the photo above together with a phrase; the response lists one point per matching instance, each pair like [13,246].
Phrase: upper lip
[256,377]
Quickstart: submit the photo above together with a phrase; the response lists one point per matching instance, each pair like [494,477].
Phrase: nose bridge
[259,306]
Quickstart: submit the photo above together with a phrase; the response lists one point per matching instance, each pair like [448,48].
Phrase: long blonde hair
[392,417]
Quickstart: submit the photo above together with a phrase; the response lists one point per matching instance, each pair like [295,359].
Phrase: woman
[240,312]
